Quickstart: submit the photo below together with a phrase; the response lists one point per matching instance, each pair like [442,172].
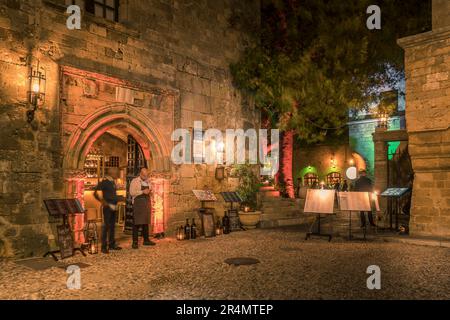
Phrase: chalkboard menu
[395,192]
[56,207]
[235,223]
[231,197]
[65,241]
[63,207]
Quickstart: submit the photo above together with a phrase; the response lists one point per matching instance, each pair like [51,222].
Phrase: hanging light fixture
[36,93]
[383,120]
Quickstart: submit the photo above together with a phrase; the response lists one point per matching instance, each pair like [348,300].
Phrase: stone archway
[129,120]
[360,162]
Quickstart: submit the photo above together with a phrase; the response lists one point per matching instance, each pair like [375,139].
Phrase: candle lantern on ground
[91,237]
[180,234]
[93,246]
[219,228]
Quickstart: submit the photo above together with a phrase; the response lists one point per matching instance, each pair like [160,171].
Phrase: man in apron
[140,190]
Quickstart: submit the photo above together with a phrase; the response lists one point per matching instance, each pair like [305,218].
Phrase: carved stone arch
[127,118]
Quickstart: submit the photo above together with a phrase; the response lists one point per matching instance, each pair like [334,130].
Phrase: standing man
[364,184]
[140,190]
[109,202]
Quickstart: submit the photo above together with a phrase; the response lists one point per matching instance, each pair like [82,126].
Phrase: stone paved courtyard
[290,268]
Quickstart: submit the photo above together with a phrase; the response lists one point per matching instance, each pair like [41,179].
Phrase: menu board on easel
[235,222]
[320,201]
[354,201]
[204,195]
[65,241]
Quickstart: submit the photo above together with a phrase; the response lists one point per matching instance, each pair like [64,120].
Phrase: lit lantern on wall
[220,173]
[36,93]
[383,121]
[333,162]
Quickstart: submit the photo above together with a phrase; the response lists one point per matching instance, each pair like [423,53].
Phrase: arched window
[310,179]
[333,178]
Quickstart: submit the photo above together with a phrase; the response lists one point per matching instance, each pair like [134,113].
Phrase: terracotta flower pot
[250,220]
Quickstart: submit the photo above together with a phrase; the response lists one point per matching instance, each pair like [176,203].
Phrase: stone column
[427,66]
[381,164]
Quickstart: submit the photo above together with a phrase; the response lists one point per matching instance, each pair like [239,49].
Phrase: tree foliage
[313,60]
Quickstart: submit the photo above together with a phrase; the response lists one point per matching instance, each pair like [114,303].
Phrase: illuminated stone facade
[428,123]
[162,66]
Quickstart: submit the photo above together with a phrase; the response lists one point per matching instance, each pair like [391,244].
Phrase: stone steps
[285,222]
[278,205]
[280,212]
[275,215]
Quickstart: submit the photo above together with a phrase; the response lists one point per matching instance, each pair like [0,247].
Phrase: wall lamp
[36,93]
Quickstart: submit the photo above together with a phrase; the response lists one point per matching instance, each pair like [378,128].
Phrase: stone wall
[361,141]
[428,123]
[361,138]
[167,62]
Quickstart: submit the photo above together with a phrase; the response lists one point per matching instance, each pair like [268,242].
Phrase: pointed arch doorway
[127,136]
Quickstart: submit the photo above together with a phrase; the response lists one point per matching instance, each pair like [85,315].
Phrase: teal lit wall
[361,141]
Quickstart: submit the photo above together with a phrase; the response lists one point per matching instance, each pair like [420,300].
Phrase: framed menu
[65,241]
[63,207]
[395,192]
[354,201]
[205,195]
[320,201]
[231,197]
[208,226]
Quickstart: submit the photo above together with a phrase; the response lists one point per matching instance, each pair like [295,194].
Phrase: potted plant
[248,189]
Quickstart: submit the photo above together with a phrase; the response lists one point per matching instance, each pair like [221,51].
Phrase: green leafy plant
[249,185]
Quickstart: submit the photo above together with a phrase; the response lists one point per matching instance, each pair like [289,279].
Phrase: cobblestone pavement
[290,268]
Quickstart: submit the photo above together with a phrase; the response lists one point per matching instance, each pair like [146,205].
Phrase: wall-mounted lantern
[333,162]
[383,120]
[36,92]
[220,173]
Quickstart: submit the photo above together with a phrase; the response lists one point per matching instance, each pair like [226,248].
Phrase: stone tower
[428,123]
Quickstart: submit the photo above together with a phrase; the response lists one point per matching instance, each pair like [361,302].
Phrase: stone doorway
[400,175]
[393,169]
[115,136]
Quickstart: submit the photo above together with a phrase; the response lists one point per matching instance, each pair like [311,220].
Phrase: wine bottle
[187,230]
[193,230]
[226,224]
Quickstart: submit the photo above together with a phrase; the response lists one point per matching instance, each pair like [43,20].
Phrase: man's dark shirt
[364,184]
[109,191]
